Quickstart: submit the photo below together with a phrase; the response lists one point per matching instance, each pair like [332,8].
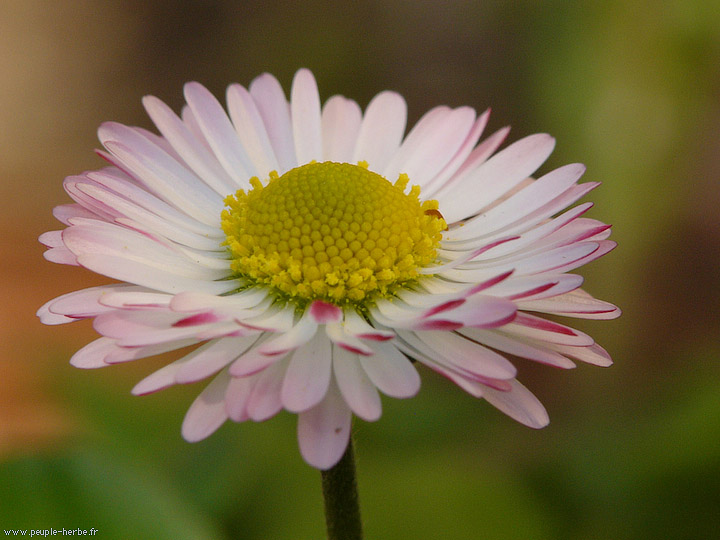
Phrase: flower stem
[342,509]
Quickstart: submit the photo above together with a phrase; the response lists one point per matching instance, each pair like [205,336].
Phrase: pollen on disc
[332,231]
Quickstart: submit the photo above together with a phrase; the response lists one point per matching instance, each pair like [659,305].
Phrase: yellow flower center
[331,231]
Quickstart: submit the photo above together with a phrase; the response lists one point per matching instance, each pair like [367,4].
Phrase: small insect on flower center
[331,231]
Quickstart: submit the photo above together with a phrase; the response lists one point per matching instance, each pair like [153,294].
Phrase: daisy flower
[311,256]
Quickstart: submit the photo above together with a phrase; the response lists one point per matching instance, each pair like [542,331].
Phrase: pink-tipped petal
[324,313]
[212,357]
[253,361]
[207,413]
[301,333]
[431,144]
[463,354]
[519,404]
[593,354]
[355,325]
[75,305]
[264,401]
[308,375]
[92,355]
[356,388]
[164,176]
[391,371]
[517,347]
[237,396]
[479,311]
[324,430]
[338,335]
[459,159]
[536,328]
[496,176]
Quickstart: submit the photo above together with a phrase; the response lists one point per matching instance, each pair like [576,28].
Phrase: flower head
[315,255]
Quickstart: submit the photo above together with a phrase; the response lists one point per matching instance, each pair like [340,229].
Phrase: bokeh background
[629,87]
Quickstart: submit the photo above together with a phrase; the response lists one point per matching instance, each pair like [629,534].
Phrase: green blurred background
[629,87]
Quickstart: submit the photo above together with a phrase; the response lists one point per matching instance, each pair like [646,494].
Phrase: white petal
[301,333]
[100,210]
[556,260]
[323,312]
[337,334]
[237,396]
[324,430]
[275,112]
[308,374]
[253,361]
[188,118]
[471,386]
[517,347]
[431,145]
[162,173]
[536,328]
[207,413]
[193,153]
[75,305]
[524,289]
[92,355]
[357,389]
[117,182]
[479,311]
[63,213]
[341,119]
[519,404]
[52,239]
[459,159]
[264,401]
[119,354]
[463,354]
[496,176]
[61,255]
[136,272]
[277,319]
[381,130]
[148,222]
[527,228]
[476,158]
[355,325]
[251,130]
[593,354]
[123,254]
[533,197]
[160,379]
[136,328]
[305,115]
[572,304]
[391,371]
[135,298]
[219,133]
[188,302]
[212,357]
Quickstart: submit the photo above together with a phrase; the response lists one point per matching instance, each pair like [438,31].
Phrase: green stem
[342,509]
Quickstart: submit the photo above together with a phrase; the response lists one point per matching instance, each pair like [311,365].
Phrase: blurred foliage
[631,88]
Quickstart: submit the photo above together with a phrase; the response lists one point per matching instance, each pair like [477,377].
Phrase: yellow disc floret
[331,231]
